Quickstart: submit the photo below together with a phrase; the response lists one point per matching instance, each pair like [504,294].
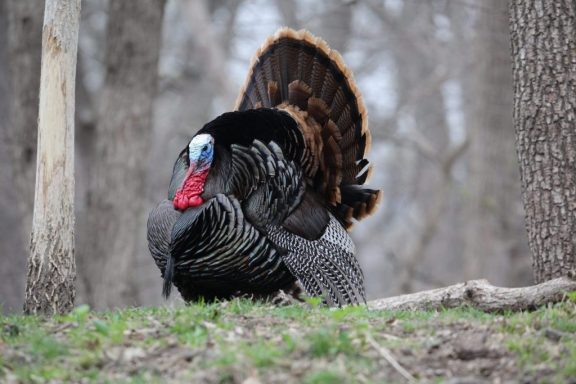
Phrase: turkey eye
[204,148]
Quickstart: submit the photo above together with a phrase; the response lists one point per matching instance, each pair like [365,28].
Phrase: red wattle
[188,195]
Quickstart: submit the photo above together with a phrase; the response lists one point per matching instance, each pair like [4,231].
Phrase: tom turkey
[263,195]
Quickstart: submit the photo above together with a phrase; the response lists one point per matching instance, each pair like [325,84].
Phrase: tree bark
[480,294]
[543,35]
[116,209]
[51,269]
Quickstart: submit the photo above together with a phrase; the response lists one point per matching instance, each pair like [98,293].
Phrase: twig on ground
[387,355]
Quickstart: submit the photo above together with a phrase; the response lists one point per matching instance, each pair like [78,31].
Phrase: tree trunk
[495,237]
[21,47]
[336,25]
[51,269]
[288,10]
[116,211]
[12,249]
[417,69]
[544,60]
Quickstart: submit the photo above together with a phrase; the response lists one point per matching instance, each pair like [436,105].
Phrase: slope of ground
[245,342]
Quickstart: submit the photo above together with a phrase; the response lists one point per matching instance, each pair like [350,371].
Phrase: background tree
[116,207]
[442,191]
[20,51]
[495,236]
[51,268]
[24,37]
[544,52]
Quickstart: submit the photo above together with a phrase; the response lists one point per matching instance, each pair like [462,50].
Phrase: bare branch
[454,155]
[415,141]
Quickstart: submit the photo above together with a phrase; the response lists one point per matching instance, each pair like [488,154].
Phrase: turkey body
[263,196]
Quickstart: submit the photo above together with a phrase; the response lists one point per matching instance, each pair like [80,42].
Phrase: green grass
[232,341]
[324,377]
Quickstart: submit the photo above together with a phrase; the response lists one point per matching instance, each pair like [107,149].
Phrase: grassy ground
[245,342]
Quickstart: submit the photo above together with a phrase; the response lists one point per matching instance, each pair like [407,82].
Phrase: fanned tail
[297,72]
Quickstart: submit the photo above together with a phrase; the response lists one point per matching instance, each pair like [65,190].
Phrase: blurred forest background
[436,77]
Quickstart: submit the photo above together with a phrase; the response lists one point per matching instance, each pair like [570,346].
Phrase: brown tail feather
[299,73]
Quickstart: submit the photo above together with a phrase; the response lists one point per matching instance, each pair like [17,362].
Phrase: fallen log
[482,295]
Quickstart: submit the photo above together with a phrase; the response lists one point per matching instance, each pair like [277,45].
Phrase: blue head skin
[201,152]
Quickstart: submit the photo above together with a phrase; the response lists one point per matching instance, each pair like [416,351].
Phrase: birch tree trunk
[51,268]
[543,37]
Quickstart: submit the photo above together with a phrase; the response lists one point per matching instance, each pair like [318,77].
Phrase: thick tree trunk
[51,269]
[116,211]
[544,53]
[495,235]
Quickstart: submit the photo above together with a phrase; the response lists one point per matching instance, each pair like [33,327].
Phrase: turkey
[264,196]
